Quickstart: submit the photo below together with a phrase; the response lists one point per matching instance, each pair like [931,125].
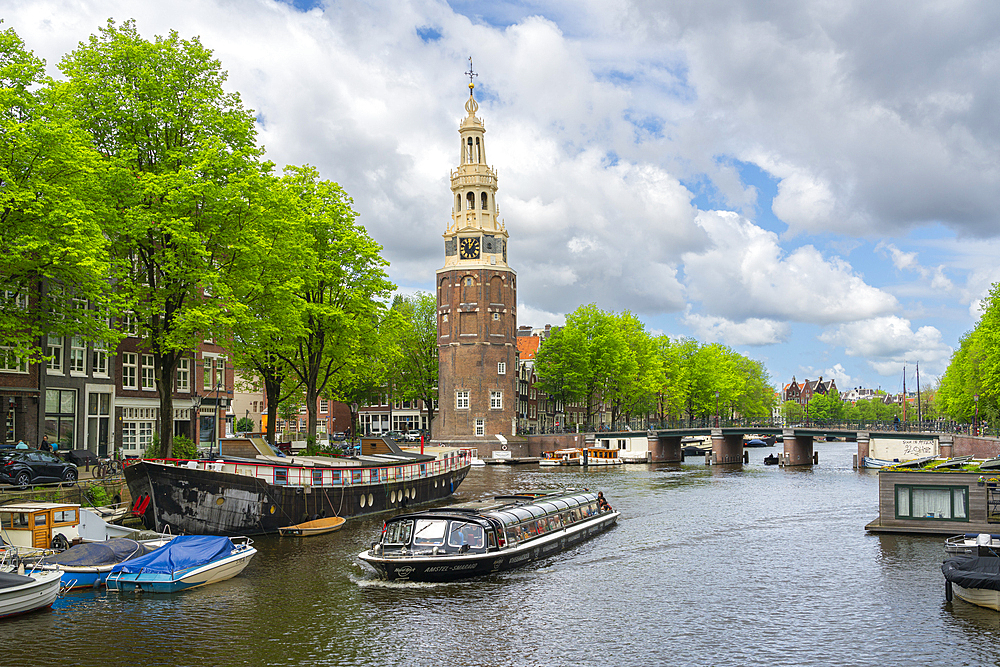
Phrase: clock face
[469,248]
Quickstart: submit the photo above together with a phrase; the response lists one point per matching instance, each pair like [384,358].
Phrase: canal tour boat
[572,456]
[601,456]
[249,496]
[453,543]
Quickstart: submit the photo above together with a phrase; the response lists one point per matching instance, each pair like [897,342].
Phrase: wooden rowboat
[315,527]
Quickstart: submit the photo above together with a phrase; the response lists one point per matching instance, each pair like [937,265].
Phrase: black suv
[24,467]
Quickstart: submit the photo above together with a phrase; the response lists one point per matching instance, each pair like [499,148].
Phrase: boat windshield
[465,533]
[398,532]
[429,532]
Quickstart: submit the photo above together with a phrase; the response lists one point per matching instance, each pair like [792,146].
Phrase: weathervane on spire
[471,74]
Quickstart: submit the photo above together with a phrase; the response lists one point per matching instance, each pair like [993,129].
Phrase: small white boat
[969,543]
[869,462]
[974,578]
[21,593]
[187,561]
[88,564]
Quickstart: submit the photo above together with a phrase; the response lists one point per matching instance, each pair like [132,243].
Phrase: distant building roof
[527,347]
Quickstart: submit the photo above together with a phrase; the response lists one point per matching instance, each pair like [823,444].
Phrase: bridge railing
[883,426]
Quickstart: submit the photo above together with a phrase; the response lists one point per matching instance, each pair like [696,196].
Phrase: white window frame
[148,373]
[501,368]
[220,373]
[99,360]
[77,356]
[54,349]
[480,427]
[11,363]
[324,405]
[183,381]
[462,400]
[496,400]
[130,370]
[20,299]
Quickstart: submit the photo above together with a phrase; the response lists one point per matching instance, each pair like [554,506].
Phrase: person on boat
[602,504]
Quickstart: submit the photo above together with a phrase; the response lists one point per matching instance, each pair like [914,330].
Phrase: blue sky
[814,184]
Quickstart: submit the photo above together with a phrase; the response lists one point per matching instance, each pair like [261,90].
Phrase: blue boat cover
[973,571]
[180,553]
[99,553]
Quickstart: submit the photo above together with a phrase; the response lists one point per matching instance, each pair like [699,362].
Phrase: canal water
[756,565]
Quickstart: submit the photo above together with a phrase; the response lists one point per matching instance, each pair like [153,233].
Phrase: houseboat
[40,525]
[572,456]
[939,496]
[239,495]
[453,543]
[599,456]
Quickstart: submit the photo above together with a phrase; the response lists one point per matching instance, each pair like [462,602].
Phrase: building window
[207,375]
[138,426]
[184,374]
[99,360]
[932,502]
[496,400]
[461,400]
[12,363]
[20,300]
[10,425]
[502,368]
[77,355]
[54,350]
[130,324]
[323,405]
[480,427]
[220,372]
[130,369]
[60,417]
[148,383]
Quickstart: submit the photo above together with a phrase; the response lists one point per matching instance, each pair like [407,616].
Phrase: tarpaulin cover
[10,580]
[180,553]
[99,553]
[973,571]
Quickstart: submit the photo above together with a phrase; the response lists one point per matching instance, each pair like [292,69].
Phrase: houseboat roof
[34,506]
[943,466]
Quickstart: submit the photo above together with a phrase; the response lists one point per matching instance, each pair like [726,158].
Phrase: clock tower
[477,301]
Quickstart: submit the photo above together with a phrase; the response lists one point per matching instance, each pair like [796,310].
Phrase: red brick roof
[527,346]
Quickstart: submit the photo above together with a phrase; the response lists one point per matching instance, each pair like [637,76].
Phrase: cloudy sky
[813,183]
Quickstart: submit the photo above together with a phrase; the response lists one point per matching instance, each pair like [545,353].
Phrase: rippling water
[708,566]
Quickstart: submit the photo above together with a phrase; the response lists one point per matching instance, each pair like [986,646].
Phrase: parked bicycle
[108,468]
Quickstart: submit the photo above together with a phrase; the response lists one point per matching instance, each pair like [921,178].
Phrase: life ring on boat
[60,543]
[503,447]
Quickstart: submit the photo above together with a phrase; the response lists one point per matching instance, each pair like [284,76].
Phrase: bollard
[855,461]
[708,458]
[746,456]
[816,458]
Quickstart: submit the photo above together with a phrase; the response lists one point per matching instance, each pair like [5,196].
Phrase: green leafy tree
[244,425]
[185,165]
[792,412]
[561,366]
[53,252]
[414,339]
[341,298]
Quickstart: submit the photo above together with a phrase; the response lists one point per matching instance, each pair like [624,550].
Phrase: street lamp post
[975,420]
[716,409]
[215,423]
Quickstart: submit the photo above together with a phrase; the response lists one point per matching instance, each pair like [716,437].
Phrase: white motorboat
[21,593]
[187,561]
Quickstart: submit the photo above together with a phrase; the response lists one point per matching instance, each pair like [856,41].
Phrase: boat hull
[310,528]
[455,567]
[208,502]
[982,597]
[39,594]
[213,572]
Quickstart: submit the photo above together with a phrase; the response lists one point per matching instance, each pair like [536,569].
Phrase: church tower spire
[477,297]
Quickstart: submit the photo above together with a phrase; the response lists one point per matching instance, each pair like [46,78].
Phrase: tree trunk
[165,365]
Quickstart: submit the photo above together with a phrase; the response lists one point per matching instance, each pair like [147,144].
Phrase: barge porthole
[393,497]
[220,500]
[371,500]
[362,500]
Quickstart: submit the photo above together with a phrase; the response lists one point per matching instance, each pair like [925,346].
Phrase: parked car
[412,436]
[24,467]
[339,436]
[395,435]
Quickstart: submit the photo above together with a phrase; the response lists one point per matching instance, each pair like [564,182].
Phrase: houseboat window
[65,516]
[281,475]
[355,476]
[40,520]
[317,477]
[932,502]
[465,533]
[398,532]
[19,520]
[336,476]
[429,532]
[374,474]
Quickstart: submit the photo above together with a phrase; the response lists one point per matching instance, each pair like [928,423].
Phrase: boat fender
[947,590]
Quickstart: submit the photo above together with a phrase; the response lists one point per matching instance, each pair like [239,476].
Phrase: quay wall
[977,446]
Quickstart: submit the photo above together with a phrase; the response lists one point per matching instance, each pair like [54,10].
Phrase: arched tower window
[443,292]
[496,287]
[468,290]
[484,199]
[468,152]
[471,201]
[479,157]
[458,203]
